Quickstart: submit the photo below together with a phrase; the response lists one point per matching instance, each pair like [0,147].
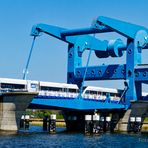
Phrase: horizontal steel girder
[112,72]
[124,28]
[103,72]
[83,31]
[141,73]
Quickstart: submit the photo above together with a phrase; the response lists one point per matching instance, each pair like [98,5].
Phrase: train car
[58,89]
[7,84]
[101,94]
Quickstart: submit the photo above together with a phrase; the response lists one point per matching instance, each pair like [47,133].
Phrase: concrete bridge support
[12,107]
[138,109]
[119,119]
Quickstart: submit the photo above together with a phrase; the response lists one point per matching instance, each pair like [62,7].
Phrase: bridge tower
[134,73]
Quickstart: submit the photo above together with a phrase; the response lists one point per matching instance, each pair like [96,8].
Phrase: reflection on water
[35,137]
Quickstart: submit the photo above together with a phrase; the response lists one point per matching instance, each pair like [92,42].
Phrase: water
[36,138]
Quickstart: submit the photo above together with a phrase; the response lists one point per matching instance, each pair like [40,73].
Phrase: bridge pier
[75,120]
[122,121]
[12,107]
[110,120]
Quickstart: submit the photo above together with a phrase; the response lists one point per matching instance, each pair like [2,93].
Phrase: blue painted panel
[77,104]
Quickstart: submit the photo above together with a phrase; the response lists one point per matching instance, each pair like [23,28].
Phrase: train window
[87,92]
[99,93]
[72,90]
[12,86]
[118,94]
[104,93]
[112,94]
[51,88]
[93,92]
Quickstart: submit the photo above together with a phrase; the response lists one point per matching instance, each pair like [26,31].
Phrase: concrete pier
[12,107]
[123,122]
[138,110]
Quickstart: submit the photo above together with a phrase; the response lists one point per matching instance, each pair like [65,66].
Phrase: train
[49,89]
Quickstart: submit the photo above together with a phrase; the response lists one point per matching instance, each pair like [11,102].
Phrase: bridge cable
[28,60]
[88,59]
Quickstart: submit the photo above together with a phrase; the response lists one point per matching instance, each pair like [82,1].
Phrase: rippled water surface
[36,138]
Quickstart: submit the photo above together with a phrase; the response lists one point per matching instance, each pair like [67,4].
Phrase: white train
[100,93]
[58,89]
[49,89]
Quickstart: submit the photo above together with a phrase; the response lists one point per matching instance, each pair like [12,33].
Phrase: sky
[49,57]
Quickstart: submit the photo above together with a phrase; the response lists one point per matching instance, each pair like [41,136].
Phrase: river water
[36,138]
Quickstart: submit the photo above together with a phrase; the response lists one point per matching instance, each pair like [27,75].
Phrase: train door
[32,86]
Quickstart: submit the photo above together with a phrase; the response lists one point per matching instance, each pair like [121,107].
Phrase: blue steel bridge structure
[133,71]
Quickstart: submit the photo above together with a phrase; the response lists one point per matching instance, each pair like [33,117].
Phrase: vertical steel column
[74,61]
[133,57]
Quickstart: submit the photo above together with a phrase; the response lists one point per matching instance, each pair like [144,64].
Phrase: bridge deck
[75,104]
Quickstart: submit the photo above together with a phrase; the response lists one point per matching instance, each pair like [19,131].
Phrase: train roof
[102,89]
[13,81]
[54,84]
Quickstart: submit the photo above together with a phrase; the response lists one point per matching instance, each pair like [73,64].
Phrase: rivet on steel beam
[115,71]
[123,71]
[107,71]
[136,74]
[70,55]
[100,72]
[78,73]
[129,51]
[92,72]
[129,73]
[145,73]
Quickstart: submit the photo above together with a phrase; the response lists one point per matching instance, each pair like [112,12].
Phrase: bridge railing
[58,94]
[61,94]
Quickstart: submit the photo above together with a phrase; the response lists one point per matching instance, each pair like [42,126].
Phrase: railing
[61,94]
[58,94]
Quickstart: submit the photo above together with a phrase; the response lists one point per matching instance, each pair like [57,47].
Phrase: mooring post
[45,118]
[88,124]
[52,124]
[96,124]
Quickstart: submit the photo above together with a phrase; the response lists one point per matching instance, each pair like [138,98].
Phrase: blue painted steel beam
[85,41]
[65,34]
[76,104]
[124,28]
[83,31]
[53,31]
[141,73]
[103,72]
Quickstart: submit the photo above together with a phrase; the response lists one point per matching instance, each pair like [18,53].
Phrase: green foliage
[146,119]
[41,113]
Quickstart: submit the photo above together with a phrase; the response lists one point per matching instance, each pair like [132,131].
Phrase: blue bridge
[133,71]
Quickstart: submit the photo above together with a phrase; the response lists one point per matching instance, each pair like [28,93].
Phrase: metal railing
[75,95]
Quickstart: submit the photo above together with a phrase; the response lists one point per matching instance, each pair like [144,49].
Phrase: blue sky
[49,59]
